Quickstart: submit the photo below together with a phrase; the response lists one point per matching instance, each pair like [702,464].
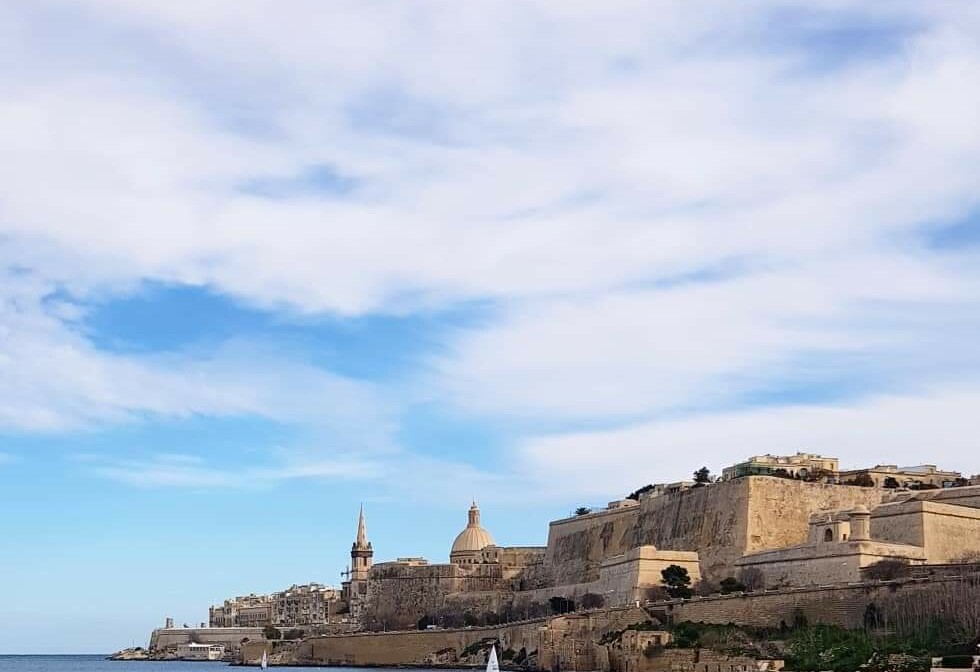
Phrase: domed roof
[474,537]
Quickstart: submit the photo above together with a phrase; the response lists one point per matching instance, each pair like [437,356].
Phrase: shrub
[592,601]
[731,585]
[271,632]
[635,495]
[561,605]
[686,636]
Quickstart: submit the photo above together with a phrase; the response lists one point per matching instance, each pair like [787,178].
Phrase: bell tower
[361,553]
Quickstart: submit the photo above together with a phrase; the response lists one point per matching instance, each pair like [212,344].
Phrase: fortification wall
[577,546]
[399,595]
[722,522]
[163,638]
[947,532]
[779,509]
[834,605]
[447,646]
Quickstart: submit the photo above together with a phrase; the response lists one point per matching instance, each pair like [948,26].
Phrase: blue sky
[261,262]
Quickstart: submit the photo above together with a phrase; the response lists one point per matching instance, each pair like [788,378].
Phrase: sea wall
[446,647]
[163,638]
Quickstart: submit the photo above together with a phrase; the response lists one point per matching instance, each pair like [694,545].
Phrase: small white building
[195,651]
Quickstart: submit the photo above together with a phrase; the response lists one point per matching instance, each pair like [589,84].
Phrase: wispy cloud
[191,471]
[568,175]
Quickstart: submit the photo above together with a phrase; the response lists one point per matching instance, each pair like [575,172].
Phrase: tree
[891,483]
[271,632]
[424,622]
[592,601]
[864,480]
[582,510]
[702,476]
[636,494]
[731,585]
[676,581]
[561,605]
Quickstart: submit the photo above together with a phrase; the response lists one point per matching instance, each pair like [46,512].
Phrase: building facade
[245,611]
[800,465]
[893,476]
[304,605]
[195,651]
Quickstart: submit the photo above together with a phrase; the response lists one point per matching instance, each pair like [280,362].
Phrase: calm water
[99,664]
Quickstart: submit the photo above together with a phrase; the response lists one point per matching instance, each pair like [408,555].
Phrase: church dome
[473,539]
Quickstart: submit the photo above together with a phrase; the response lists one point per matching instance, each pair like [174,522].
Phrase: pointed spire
[362,540]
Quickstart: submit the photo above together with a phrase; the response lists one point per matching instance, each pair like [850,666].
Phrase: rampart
[399,594]
[421,647]
[833,605]
[163,638]
[722,522]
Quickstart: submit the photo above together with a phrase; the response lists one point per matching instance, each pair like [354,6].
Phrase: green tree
[731,585]
[676,581]
[582,510]
[635,495]
[702,476]
[561,605]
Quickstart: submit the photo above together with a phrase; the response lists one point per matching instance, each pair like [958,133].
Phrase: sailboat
[265,660]
[492,665]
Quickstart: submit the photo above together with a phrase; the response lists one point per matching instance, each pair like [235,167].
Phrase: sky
[263,261]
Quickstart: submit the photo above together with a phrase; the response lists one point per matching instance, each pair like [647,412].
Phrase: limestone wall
[779,509]
[577,546]
[448,646]
[399,594]
[825,563]
[946,532]
[163,638]
[835,605]
[722,522]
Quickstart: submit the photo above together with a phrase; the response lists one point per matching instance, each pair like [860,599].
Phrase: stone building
[473,539]
[305,605]
[839,547]
[802,465]
[480,578]
[245,611]
[934,527]
[893,476]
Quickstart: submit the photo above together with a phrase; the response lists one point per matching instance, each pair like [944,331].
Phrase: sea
[100,664]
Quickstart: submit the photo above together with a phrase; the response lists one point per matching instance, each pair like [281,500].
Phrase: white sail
[265,660]
[492,665]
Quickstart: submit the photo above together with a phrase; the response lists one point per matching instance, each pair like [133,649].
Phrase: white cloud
[908,430]
[181,471]
[579,166]
[52,378]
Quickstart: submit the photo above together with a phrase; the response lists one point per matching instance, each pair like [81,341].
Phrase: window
[828,535]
